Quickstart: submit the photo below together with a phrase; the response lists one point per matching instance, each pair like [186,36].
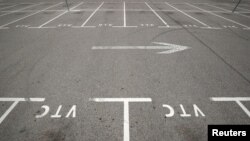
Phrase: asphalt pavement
[132,70]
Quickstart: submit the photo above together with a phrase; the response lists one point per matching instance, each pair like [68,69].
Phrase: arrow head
[172,48]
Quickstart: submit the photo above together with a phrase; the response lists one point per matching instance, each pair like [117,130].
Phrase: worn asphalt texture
[59,64]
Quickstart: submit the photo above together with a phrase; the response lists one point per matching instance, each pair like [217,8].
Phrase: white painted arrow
[171,48]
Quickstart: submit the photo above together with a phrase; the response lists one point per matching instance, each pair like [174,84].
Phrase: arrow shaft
[132,47]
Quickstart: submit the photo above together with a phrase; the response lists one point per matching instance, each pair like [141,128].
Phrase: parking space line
[24,11]
[8,7]
[188,15]
[227,10]
[124,14]
[3,26]
[21,9]
[92,14]
[41,26]
[165,23]
[219,16]
[12,106]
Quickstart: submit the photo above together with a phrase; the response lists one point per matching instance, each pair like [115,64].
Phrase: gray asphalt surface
[48,55]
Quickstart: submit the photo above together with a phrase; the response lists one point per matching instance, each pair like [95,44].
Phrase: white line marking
[16,3]
[165,23]
[125,26]
[41,26]
[15,100]
[124,14]
[230,98]
[227,10]
[92,14]
[84,27]
[37,99]
[21,9]
[188,15]
[126,134]
[27,16]
[235,99]
[173,27]
[8,7]
[121,99]
[11,99]
[218,16]
[210,27]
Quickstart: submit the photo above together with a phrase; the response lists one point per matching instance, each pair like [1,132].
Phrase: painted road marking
[124,15]
[171,48]
[14,104]
[188,15]
[235,99]
[165,23]
[197,111]
[15,100]
[21,9]
[3,26]
[42,25]
[126,101]
[70,113]
[37,99]
[219,16]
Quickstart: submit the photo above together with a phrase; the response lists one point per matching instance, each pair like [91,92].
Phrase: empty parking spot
[144,16]
[136,6]
[54,18]
[157,15]
[63,6]
[87,7]
[35,21]
[90,16]
[162,7]
[245,7]
[20,9]
[222,17]
[107,15]
[29,15]
[217,7]
[12,17]
[183,7]
[70,19]
[195,19]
